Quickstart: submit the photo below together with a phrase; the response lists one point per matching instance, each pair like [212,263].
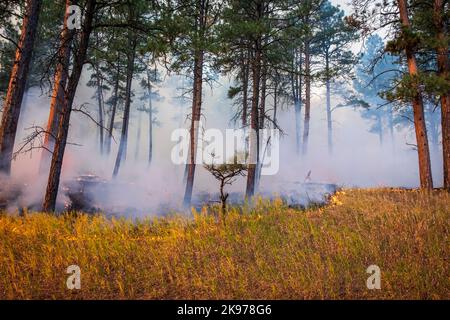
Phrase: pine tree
[17,82]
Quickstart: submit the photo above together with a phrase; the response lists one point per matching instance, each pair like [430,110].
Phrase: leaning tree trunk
[443,71]
[121,154]
[426,179]
[17,82]
[63,127]
[307,98]
[59,85]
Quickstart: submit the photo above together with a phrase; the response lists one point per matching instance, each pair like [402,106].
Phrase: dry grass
[270,252]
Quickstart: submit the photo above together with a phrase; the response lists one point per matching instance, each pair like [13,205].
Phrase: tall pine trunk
[123,145]
[100,108]
[59,86]
[328,98]
[138,138]
[195,119]
[245,75]
[296,83]
[307,97]
[17,82]
[114,108]
[262,115]
[150,117]
[443,71]
[150,133]
[254,134]
[426,179]
[63,127]
[200,28]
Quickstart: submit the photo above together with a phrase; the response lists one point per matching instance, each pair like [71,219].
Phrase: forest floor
[268,252]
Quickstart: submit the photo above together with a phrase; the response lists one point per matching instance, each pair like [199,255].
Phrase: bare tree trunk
[262,115]
[426,179]
[328,98]
[195,119]
[297,95]
[17,83]
[138,137]
[307,98]
[262,107]
[202,7]
[63,128]
[100,107]
[150,137]
[150,119]
[275,101]
[443,71]
[114,109]
[59,85]
[223,198]
[254,135]
[123,145]
[245,72]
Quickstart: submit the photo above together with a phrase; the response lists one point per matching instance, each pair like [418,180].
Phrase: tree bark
[123,145]
[297,96]
[262,107]
[443,71]
[254,135]
[114,108]
[150,133]
[307,97]
[59,86]
[138,137]
[63,127]
[195,119]
[426,179]
[245,72]
[17,82]
[196,102]
[100,107]
[328,98]
[223,198]
[150,118]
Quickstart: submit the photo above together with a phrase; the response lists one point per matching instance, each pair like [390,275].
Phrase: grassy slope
[271,252]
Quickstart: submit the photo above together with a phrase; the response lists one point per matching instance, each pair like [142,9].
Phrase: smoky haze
[358,160]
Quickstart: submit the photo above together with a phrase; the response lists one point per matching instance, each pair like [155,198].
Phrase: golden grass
[270,252]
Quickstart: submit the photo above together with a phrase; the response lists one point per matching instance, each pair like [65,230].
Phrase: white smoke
[358,159]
